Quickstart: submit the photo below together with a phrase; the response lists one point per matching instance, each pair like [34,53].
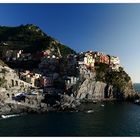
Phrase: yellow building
[89,60]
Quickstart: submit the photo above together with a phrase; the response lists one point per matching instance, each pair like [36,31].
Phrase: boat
[137,101]
[90,111]
[102,105]
[94,102]
[9,116]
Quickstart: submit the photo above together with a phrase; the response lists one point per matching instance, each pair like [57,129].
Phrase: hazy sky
[110,28]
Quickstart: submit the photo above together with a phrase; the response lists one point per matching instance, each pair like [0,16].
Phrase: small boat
[9,116]
[137,101]
[102,105]
[94,102]
[90,111]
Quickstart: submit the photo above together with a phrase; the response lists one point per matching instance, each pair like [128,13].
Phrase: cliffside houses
[54,72]
[32,78]
[114,63]
[90,59]
[38,80]
[70,81]
[47,81]
[15,55]
[11,55]
[20,55]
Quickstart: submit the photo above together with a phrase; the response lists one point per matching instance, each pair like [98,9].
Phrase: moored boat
[8,116]
[90,111]
[102,105]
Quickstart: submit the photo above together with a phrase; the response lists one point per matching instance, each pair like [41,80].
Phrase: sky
[110,28]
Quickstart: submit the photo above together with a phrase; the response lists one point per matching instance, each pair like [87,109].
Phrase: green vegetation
[101,70]
[65,50]
[105,74]
[29,38]
[119,79]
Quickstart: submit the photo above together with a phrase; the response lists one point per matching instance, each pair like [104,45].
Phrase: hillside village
[54,73]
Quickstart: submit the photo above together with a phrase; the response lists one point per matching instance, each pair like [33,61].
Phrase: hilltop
[29,38]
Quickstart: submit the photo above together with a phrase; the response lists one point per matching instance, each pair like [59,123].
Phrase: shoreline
[20,109]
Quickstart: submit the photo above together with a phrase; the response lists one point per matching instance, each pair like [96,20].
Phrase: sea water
[137,87]
[112,119]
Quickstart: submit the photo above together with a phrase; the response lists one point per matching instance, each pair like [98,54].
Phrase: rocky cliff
[10,83]
[103,83]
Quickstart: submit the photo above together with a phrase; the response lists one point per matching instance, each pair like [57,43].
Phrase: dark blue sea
[112,119]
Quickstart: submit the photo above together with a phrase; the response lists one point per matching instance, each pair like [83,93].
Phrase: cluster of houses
[52,68]
[20,55]
[89,59]
[37,80]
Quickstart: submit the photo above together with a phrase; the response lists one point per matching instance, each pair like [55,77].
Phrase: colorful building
[114,60]
[89,60]
[104,59]
[46,81]
[114,63]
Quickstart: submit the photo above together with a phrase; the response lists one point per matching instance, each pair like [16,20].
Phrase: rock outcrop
[91,89]
[105,84]
[10,82]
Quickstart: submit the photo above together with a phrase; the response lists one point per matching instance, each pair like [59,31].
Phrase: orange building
[104,59]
